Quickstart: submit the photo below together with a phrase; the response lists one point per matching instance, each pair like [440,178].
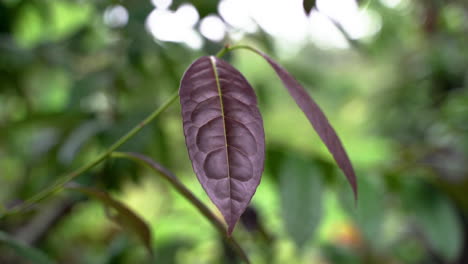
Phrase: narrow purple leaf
[224,134]
[318,120]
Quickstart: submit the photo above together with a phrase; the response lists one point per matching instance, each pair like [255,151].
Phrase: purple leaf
[224,134]
[318,120]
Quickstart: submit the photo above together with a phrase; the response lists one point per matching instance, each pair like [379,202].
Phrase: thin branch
[58,185]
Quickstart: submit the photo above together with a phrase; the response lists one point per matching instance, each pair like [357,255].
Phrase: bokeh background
[391,75]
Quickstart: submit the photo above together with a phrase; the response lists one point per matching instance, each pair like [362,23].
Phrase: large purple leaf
[318,120]
[224,134]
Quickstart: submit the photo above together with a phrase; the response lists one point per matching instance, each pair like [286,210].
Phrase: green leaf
[24,250]
[51,21]
[368,214]
[67,18]
[441,227]
[123,216]
[432,214]
[301,198]
[28,26]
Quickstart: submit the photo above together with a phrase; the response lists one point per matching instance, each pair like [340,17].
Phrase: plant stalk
[227,48]
[58,185]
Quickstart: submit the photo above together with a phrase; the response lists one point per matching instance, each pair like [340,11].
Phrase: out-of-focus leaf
[369,215]
[308,5]
[51,21]
[339,254]
[77,139]
[124,216]
[28,27]
[440,225]
[68,17]
[317,118]
[24,250]
[224,134]
[301,198]
[275,155]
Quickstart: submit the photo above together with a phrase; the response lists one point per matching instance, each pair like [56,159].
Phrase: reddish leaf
[224,134]
[318,120]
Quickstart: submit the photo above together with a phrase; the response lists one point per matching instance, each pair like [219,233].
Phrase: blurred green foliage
[71,84]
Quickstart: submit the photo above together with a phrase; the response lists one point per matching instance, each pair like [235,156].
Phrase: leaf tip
[230,229]
[354,186]
[355,192]
[231,222]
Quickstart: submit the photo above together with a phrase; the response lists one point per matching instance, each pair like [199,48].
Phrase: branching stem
[58,185]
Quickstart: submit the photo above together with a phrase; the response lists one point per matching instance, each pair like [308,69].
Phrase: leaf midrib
[220,94]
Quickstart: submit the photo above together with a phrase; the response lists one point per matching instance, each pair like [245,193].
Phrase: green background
[70,85]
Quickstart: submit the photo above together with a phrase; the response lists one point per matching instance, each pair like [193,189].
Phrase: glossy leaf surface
[318,120]
[123,216]
[224,134]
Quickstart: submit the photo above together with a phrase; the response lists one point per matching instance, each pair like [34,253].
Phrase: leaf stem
[58,185]
[180,187]
[227,48]
[223,51]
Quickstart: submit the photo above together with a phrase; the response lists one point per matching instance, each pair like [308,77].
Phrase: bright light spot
[357,23]
[236,36]
[213,28]
[338,9]
[187,14]
[373,22]
[284,19]
[162,4]
[116,16]
[177,26]
[237,14]
[363,24]
[324,34]
[193,40]
[97,102]
[391,3]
